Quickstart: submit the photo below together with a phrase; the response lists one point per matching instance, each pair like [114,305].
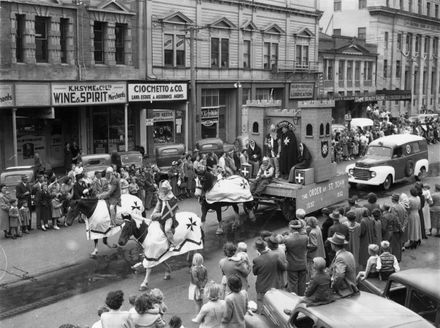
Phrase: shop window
[19,38]
[41,39]
[321,130]
[309,130]
[327,129]
[174,50]
[64,30]
[255,127]
[120,31]
[99,30]
[219,52]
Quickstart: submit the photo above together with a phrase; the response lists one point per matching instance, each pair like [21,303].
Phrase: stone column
[335,76]
[421,72]
[428,60]
[361,75]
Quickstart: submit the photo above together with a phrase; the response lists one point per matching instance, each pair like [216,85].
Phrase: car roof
[426,280]
[19,168]
[396,140]
[96,156]
[366,310]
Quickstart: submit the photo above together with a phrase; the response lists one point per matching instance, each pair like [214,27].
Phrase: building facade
[113,75]
[406,33]
[348,67]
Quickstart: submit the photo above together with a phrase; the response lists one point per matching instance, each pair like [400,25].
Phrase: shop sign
[6,95]
[209,113]
[157,92]
[32,94]
[301,90]
[395,94]
[316,103]
[68,94]
[163,115]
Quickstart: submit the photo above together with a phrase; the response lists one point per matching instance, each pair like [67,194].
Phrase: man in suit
[342,268]
[296,254]
[303,161]
[23,193]
[267,267]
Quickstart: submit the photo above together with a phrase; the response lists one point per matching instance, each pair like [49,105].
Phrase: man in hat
[402,216]
[336,227]
[113,194]
[271,145]
[264,177]
[23,193]
[288,150]
[303,161]
[165,210]
[435,210]
[296,254]
[268,267]
[343,267]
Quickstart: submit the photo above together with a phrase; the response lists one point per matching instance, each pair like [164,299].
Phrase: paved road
[50,280]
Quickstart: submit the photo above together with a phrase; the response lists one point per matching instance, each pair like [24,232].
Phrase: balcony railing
[295,66]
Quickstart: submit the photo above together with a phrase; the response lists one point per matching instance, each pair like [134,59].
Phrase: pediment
[353,49]
[249,25]
[273,29]
[222,23]
[304,32]
[112,5]
[177,18]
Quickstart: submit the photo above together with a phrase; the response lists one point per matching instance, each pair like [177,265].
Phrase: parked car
[282,309]
[95,162]
[11,177]
[362,123]
[390,159]
[130,158]
[214,145]
[416,289]
[166,154]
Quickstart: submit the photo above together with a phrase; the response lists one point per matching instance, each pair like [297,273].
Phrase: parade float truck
[314,188]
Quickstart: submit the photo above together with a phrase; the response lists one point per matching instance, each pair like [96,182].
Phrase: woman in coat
[414,226]
[367,237]
[4,210]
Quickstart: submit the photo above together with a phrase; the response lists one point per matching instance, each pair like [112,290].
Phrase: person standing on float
[288,150]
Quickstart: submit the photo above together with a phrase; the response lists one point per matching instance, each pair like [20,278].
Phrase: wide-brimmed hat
[295,224]
[165,190]
[395,197]
[274,239]
[338,239]
[335,215]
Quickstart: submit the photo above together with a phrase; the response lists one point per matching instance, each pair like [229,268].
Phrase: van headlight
[373,174]
[351,171]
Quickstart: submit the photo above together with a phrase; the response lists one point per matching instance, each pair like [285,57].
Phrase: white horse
[151,235]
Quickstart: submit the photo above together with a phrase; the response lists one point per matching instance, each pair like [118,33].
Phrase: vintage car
[361,123]
[130,158]
[214,145]
[390,159]
[282,309]
[95,162]
[12,176]
[416,289]
[166,154]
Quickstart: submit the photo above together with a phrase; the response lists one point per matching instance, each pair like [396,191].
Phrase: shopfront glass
[164,131]
[109,130]
[213,113]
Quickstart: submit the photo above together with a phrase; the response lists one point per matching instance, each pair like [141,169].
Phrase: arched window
[309,130]
[321,130]
[327,129]
[255,127]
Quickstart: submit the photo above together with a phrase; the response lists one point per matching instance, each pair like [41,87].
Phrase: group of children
[379,266]
[19,219]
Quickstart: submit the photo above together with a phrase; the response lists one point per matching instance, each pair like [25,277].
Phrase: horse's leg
[144,285]
[95,251]
[236,223]
[167,274]
[250,208]
[219,230]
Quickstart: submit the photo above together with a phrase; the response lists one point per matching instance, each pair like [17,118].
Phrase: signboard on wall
[163,115]
[32,94]
[6,95]
[69,94]
[301,90]
[157,92]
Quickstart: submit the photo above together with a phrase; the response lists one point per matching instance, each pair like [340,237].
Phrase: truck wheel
[288,208]
[388,182]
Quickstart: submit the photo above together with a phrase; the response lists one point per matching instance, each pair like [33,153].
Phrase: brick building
[406,33]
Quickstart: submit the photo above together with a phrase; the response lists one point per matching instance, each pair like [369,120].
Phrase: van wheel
[353,185]
[422,174]
[388,182]
[409,170]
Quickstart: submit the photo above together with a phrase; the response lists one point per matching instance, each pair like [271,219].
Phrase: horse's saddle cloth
[234,189]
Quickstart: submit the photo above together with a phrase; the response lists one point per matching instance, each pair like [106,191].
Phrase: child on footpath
[199,278]
[14,219]
[157,299]
[25,217]
[57,211]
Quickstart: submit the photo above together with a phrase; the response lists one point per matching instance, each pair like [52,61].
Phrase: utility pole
[193,109]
